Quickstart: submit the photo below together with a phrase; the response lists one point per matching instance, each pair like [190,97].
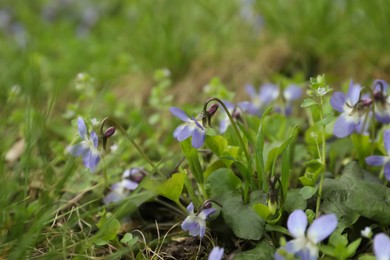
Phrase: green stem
[323,160]
[120,127]
[235,127]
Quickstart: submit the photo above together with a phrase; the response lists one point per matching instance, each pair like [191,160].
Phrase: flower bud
[109,132]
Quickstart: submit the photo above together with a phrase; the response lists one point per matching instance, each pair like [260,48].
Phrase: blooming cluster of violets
[356,111]
[259,100]
[355,108]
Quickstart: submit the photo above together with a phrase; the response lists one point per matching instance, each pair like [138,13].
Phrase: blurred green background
[121,43]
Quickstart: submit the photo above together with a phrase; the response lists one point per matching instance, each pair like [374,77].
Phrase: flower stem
[323,160]
[235,127]
[114,123]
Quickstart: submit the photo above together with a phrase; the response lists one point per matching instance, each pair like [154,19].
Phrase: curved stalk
[242,144]
[113,122]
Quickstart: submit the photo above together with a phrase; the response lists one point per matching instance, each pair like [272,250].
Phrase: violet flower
[216,253]
[291,93]
[192,127]
[378,160]
[267,94]
[195,224]
[305,242]
[130,181]
[382,246]
[87,148]
[351,115]
[381,101]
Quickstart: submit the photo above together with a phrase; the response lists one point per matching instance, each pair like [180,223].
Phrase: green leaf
[242,219]
[171,188]
[307,192]
[336,192]
[294,200]
[327,120]
[129,239]
[109,227]
[217,144]
[192,157]
[263,250]
[312,172]
[308,103]
[221,183]
[274,127]
[262,210]
[371,200]
[352,247]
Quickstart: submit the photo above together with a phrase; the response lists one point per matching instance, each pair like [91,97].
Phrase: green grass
[132,38]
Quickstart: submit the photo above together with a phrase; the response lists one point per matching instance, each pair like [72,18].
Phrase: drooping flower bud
[109,132]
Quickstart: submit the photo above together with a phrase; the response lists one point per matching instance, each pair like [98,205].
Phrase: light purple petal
[190,208]
[268,93]
[250,90]
[112,197]
[91,160]
[297,223]
[277,256]
[223,125]
[375,160]
[249,107]
[126,173]
[179,113]
[130,185]
[202,229]
[79,149]
[386,140]
[82,128]
[198,137]
[353,93]
[377,86]
[344,126]
[338,101]
[387,171]
[182,132]
[191,226]
[205,213]
[295,245]
[94,139]
[197,124]
[382,246]
[292,92]
[322,227]
[216,253]
[382,115]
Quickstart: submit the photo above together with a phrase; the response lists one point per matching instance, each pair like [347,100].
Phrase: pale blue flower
[195,224]
[130,181]
[382,246]
[192,127]
[304,244]
[216,253]
[347,105]
[259,100]
[87,148]
[379,160]
[381,101]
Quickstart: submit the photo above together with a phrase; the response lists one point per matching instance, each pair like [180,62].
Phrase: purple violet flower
[216,253]
[195,224]
[378,160]
[87,148]
[291,93]
[382,246]
[305,242]
[130,181]
[350,116]
[192,127]
[267,94]
[381,101]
